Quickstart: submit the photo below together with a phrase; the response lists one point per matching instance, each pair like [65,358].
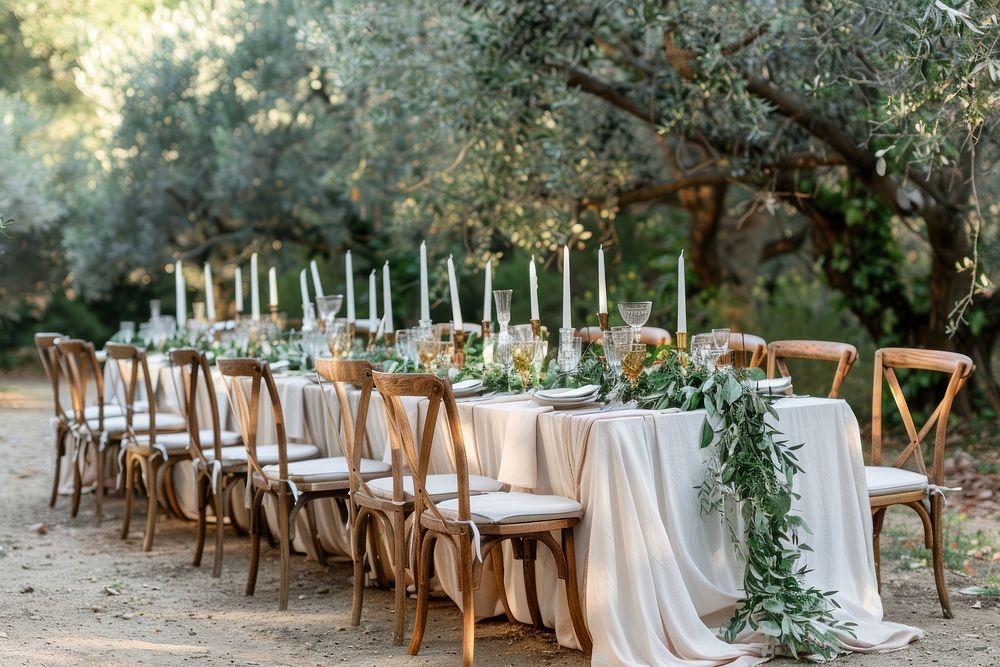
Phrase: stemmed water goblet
[502,351]
[328,307]
[636,314]
[523,356]
[633,361]
[615,342]
[720,339]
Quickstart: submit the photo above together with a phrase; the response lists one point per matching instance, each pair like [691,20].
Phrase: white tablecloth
[656,577]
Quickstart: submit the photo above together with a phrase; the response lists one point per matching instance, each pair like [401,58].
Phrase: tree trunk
[706,205]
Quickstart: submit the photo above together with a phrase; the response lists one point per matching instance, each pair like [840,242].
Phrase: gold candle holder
[536,328]
[458,353]
[352,328]
[681,342]
[371,341]
[486,325]
[274,313]
[390,338]
[602,321]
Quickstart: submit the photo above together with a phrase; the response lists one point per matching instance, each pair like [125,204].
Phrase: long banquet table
[656,577]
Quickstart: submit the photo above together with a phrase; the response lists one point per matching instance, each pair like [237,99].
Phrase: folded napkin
[578,392]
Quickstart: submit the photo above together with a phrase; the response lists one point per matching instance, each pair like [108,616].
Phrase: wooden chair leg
[60,451]
[99,496]
[255,521]
[878,517]
[219,499]
[399,569]
[468,603]
[375,555]
[79,459]
[285,548]
[129,484]
[314,534]
[202,487]
[937,508]
[359,532]
[530,587]
[576,611]
[496,556]
[152,503]
[423,577]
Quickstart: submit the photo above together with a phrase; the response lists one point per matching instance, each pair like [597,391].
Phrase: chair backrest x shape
[131,365]
[194,365]
[48,354]
[340,373]
[247,409]
[819,350]
[80,366]
[395,386]
[959,369]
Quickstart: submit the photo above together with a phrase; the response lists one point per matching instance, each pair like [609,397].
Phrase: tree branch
[605,91]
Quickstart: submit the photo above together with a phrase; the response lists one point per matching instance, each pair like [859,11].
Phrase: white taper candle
[254,289]
[349,278]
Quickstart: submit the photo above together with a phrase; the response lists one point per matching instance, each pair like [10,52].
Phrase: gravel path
[73,594]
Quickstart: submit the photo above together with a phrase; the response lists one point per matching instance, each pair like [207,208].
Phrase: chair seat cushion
[439,487]
[885,480]
[113,410]
[180,441]
[165,421]
[514,507]
[328,469]
[267,454]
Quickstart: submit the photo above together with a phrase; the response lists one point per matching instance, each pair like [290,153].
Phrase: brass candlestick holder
[602,321]
[458,353]
[352,328]
[274,313]
[681,342]
[390,341]
[485,325]
[371,341]
[536,328]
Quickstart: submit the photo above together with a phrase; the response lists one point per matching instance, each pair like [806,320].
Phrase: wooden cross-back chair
[80,368]
[378,499]
[919,489]
[289,473]
[747,350]
[362,520]
[216,454]
[819,350]
[647,335]
[48,355]
[476,525]
[144,437]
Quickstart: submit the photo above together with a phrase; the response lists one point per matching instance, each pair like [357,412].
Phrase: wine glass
[403,344]
[633,362]
[523,355]
[720,338]
[328,307]
[502,351]
[615,342]
[635,314]
[127,331]
[427,350]
[502,299]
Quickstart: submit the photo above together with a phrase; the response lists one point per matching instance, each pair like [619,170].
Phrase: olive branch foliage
[750,471]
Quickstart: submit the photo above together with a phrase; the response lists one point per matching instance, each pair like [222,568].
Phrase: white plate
[465,388]
[772,386]
[575,392]
[566,403]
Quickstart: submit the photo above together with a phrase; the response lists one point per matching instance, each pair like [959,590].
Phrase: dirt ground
[73,594]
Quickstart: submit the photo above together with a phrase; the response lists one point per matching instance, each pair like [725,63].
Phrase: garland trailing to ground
[751,469]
